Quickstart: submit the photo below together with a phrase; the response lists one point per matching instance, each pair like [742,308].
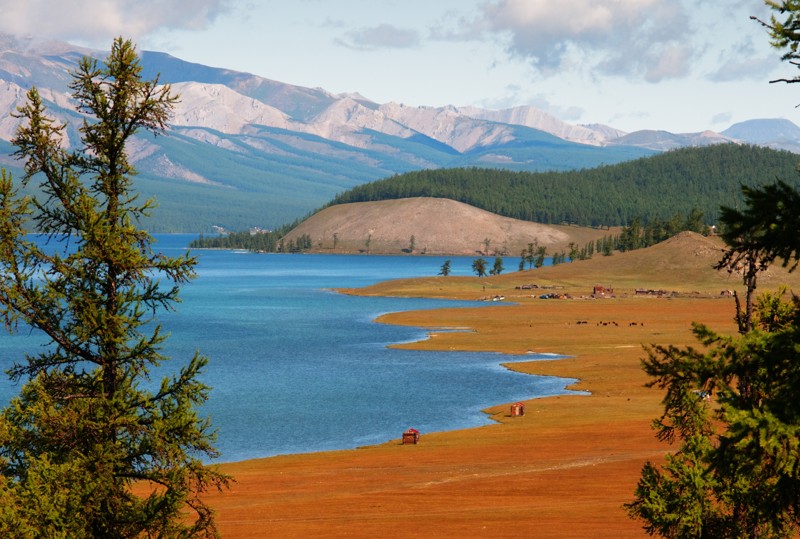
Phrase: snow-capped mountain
[289,149]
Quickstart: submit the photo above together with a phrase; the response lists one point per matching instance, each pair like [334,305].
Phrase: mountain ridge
[271,152]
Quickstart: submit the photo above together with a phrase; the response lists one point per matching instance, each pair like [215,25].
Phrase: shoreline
[502,363]
[563,469]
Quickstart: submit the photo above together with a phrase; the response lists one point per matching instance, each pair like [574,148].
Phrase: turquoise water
[297,368]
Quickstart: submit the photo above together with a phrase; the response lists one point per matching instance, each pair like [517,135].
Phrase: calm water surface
[297,368]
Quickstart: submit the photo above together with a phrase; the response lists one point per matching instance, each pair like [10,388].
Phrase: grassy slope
[682,264]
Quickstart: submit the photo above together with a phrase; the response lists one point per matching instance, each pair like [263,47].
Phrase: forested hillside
[658,187]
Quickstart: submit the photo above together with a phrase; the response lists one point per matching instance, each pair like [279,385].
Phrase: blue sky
[678,65]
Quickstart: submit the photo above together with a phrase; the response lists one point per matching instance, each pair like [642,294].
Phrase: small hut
[411,436]
[600,291]
[518,409]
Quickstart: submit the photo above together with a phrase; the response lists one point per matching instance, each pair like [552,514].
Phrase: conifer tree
[731,407]
[91,447]
[736,471]
[541,253]
[497,267]
[479,267]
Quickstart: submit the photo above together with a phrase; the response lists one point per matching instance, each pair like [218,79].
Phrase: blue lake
[297,368]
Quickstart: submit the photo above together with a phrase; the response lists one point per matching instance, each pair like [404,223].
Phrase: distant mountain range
[249,151]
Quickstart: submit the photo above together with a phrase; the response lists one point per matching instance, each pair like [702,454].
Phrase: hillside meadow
[564,468]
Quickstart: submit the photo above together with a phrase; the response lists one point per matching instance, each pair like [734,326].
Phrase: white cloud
[383,36]
[743,61]
[645,39]
[671,62]
[98,21]
[756,68]
[722,118]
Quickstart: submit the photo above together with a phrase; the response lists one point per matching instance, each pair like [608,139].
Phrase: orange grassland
[564,469]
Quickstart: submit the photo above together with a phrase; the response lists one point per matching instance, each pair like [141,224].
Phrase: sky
[677,65]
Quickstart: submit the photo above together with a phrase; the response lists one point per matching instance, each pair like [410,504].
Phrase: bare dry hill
[438,226]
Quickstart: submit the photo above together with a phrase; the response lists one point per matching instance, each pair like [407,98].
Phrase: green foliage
[445,269]
[257,240]
[768,227]
[559,258]
[479,267]
[755,237]
[736,472]
[538,259]
[637,235]
[785,34]
[652,188]
[531,256]
[262,241]
[497,267]
[607,245]
[86,428]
